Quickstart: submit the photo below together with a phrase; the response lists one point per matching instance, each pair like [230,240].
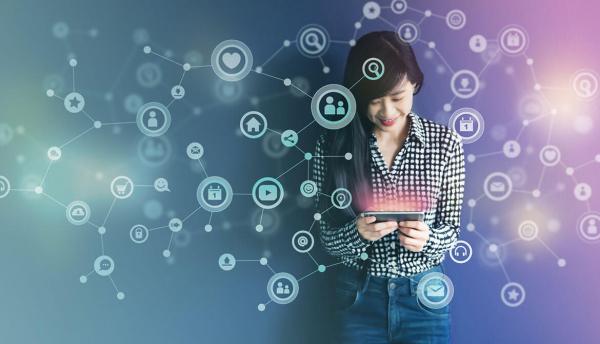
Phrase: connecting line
[301,90]
[488,154]
[326,210]
[190,214]
[274,131]
[54,200]
[123,68]
[268,75]
[359,80]
[182,76]
[487,64]
[102,243]
[262,212]
[313,258]
[171,102]
[443,60]
[201,66]
[109,211]
[539,184]
[387,22]
[502,266]
[291,168]
[272,56]
[210,217]
[46,173]
[202,167]
[170,241]
[298,148]
[117,123]
[113,284]
[73,74]
[305,276]
[306,126]
[322,62]
[356,29]
[312,225]
[510,242]
[88,115]
[155,228]
[75,138]
[166,58]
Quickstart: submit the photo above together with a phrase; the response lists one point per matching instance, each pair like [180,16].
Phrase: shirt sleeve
[445,230]
[342,241]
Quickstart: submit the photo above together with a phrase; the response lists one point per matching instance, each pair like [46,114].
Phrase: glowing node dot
[317,216]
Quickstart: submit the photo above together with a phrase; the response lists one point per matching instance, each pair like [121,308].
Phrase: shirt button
[392,286]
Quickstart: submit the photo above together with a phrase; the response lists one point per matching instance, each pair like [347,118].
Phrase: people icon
[329,108]
[282,289]
[152,121]
[341,110]
[592,227]
[407,34]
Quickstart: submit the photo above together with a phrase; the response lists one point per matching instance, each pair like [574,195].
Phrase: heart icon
[550,155]
[231,60]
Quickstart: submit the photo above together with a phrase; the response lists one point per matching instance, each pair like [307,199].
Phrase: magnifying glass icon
[312,40]
[373,68]
[585,86]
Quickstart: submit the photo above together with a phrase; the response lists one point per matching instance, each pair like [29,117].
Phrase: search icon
[585,84]
[373,68]
[161,185]
[313,40]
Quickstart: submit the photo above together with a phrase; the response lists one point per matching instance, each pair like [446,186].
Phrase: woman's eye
[376,101]
[397,100]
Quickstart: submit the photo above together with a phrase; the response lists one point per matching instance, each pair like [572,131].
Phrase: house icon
[253,125]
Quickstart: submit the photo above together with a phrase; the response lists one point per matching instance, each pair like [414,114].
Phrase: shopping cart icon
[121,188]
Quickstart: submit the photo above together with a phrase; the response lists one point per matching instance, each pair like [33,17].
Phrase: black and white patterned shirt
[428,175]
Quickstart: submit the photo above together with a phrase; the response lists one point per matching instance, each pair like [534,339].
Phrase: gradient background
[188,299]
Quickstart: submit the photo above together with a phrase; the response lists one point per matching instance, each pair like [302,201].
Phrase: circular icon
[303,241]
[4,186]
[161,185]
[175,225]
[588,227]
[195,151]
[468,124]
[456,19]
[373,68]
[177,92]
[214,194]
[497,186]
[528,230]
[132,103]
[513,39]
[282,288]
[104,265]
[308,188]
[582,191]
[371,10]
[512,294]
[461,252]
[399,6]
[139,234]
[408,32]
[511,149]
[253,124]
[54,153]
[341,198]
[289,138]
[267,192]
[74,102]
[122,187]
[273,147]
[231,60]
[149,75]
[227,261]
[585,84]
[154,151]
[333,106]
[464,84]
[478,43]
[153,119]
[78,213]
[313,40]
[435,290]
[550,155]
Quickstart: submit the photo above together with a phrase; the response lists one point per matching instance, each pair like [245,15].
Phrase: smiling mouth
[388,121]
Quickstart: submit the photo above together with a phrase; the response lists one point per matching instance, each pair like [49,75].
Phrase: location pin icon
[340,198]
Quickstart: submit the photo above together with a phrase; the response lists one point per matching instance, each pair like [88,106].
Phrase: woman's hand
[369,230]
[413,235]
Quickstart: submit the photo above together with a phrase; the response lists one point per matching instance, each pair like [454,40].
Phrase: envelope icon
[435,290]
[195,150]
[497,187]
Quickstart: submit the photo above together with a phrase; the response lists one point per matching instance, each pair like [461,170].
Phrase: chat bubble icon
[105,264]
[161,185]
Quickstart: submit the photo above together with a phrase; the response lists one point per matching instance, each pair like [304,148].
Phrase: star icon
[74,102]
[513,295]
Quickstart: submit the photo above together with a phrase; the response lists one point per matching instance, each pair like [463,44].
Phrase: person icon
[407,33]
[286,290]
[478,42]
[280,289]
[592,227]
[329,108]
[511,148]
[341,110]
[582,191]
[152,121]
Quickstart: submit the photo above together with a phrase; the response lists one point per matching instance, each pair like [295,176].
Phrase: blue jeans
[374,309]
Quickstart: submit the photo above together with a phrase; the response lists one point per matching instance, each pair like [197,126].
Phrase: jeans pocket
[443,312]
[345,299]
[346,289]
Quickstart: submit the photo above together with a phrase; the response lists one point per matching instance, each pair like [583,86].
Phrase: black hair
[400,64]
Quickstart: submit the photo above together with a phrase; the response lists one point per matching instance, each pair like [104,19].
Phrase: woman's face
[389,112]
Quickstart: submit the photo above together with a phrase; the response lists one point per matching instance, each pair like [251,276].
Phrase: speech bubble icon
[105,264]
[161,185]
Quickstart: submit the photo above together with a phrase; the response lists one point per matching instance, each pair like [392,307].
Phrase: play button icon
[267,193]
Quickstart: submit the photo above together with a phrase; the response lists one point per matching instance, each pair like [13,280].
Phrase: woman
[399,162]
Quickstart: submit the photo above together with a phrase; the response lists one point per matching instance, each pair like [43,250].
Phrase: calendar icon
[215,193]
[466,124]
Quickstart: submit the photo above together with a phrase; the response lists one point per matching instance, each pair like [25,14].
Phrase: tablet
[384,216]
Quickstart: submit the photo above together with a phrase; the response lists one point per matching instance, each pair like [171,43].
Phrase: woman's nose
[388,108]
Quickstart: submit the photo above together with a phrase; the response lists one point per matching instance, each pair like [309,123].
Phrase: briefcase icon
[215,193]
[497,187]
[435,290]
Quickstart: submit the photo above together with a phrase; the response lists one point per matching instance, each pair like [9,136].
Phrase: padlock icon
[139,233]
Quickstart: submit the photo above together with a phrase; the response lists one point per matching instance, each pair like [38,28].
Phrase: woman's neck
[398,134]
